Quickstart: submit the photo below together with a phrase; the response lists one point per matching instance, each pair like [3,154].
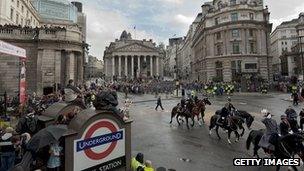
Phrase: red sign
[22,84]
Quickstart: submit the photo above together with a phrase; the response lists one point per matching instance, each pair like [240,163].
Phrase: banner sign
[101,147]
[12,50]
[22,86]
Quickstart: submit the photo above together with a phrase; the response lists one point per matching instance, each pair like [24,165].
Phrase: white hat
[264,111]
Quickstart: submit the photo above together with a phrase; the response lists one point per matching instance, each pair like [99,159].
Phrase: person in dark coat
[159,103]
[292,118]
[284,126]
[271,132]
[301,118]
[230,106]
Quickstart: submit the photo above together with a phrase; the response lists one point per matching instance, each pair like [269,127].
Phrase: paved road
[167,145]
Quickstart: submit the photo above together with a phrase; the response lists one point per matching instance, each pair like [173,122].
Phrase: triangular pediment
[135,47]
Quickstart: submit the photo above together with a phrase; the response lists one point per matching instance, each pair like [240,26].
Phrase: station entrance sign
[101,147]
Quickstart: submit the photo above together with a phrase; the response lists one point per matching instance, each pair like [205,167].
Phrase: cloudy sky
[157,19]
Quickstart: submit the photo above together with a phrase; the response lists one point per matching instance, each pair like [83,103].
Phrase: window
[18,4]
[234,16]
[17,19]
[219,70]
[219,50]
[22,9]
[251,66]
[251,17]
[282,43]
[251,34]
[21,22]
[285,43]
[235,33]
[232,2]
[26,13]
[12,13]
[236,48]
[218,35]
[216,21]
[252,47]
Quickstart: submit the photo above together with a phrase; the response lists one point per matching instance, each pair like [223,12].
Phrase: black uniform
[159,103]
[284,128]
[301,119]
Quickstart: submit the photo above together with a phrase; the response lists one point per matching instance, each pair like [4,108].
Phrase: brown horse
[200,108]
[192,110]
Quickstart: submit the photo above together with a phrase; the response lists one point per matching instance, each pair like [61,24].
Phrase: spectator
[7,155]
[54,162]
[148,167]
[137,162]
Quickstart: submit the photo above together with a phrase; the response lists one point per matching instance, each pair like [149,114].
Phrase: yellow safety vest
[135,164]
[149,169]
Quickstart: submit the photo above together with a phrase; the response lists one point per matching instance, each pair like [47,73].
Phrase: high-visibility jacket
[149,169]
[135,164]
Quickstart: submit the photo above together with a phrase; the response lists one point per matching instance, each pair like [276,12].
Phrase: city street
[175,147]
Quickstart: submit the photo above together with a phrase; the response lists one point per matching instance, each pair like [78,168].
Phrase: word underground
[266,162]
[99,140]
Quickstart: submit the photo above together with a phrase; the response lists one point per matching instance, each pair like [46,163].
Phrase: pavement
[176,147]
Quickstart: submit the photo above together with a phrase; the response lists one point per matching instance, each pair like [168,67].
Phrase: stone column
[132,67]
[157,65]
[126,66]
[71,66]
[138,63]
[113,66]
[119,66]
[151,66]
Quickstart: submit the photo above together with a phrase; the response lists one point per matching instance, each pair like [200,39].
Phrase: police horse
[236,122]
[286,147]
[191,110]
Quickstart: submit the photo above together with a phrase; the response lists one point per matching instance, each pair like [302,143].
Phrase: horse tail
[249,140]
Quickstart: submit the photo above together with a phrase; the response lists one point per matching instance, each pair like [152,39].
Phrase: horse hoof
[236,140]
[210,132]
[229,141]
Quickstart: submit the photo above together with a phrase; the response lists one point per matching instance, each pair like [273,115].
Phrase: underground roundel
[101,147]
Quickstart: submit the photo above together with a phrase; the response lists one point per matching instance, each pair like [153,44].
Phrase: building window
[219,70]
[235,33]
[26,14]
[234,16]
[252,47]
[216,21]
[219,50]
[17,19]
[285,43]
[18,4]
[251,66]
[232,2]
[251,16]
[251,34]
[282,43]
[21,22]
[22,9]
[12,13]
[218,35]
[236,70]
[236,48]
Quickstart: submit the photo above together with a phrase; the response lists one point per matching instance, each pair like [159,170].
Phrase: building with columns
[127,58]
[232,42]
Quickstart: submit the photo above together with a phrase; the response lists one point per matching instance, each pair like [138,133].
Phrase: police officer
[284,125]
[137,163]
[230,105]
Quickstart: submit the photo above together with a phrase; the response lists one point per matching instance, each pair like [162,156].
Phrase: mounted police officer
[284,126]
[230,105]
[292,119]
[271,134]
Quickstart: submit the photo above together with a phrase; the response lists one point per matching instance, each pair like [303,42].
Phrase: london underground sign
[101,147]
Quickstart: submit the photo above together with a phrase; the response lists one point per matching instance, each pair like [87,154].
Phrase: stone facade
[94,67]
[54,55]
[173,57]
[282,40]
[18,12]
[232,41]
[129,58]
